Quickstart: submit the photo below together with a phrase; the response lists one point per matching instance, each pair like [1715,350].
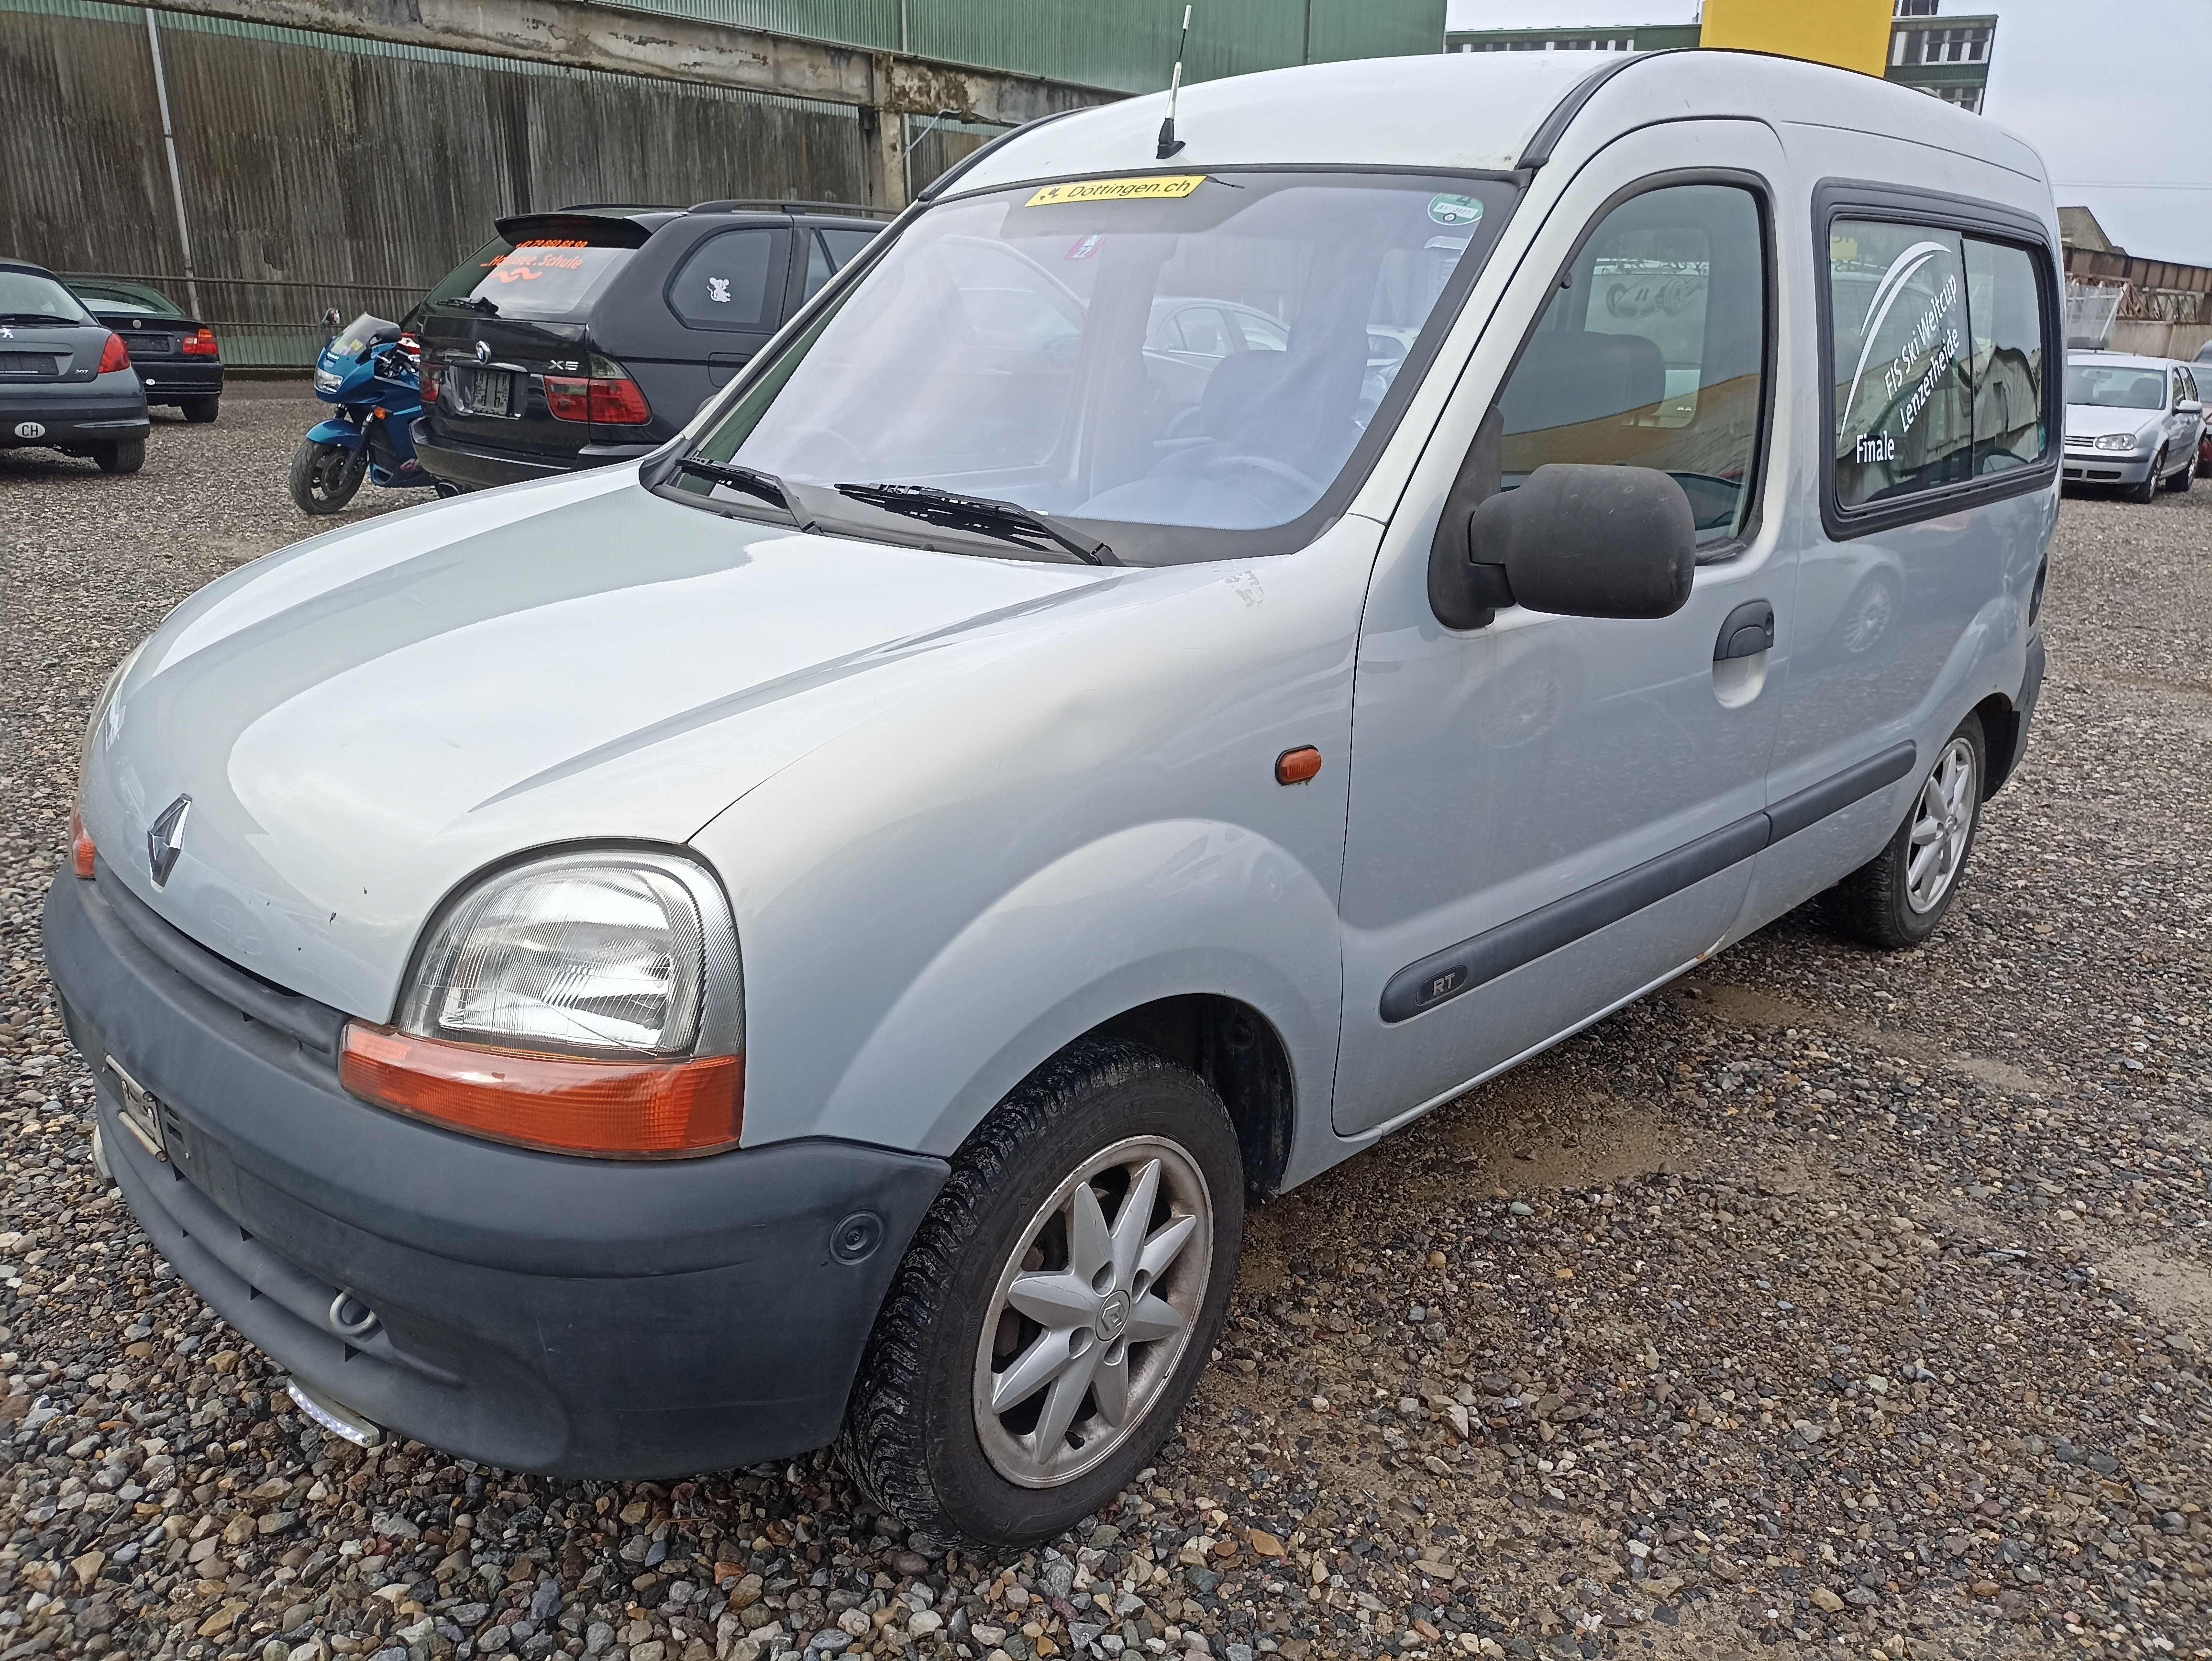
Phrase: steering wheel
[1267,464]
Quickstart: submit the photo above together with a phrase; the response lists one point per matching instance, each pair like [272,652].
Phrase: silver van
[822,933]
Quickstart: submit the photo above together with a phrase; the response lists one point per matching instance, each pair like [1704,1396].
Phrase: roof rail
[609,207]
[1547,135]
[764,204]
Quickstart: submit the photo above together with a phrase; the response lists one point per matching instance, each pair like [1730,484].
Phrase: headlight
[2117,441]
[590,1003]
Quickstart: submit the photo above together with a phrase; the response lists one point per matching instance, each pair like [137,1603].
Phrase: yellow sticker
[1117,190]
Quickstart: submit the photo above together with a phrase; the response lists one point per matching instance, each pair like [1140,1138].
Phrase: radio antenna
[1168,143]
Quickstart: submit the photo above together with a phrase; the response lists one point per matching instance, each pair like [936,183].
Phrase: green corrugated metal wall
[1128,45]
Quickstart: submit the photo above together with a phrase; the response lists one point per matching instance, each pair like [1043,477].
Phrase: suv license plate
[142,1114]
[487,392]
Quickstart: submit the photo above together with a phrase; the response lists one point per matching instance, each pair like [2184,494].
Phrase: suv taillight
[202,344]
[114,355]
[608,396]
[432,380]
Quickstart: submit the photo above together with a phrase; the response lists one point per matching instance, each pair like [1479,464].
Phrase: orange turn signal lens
[82,851]
[1296,766]
[564,1104]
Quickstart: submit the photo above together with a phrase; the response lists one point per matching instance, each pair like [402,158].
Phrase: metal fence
[2090,309]
[317,171]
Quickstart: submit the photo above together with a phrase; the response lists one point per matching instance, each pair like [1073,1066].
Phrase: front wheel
[1897,899]
[326,476]
[1057,1305]
[2148,490]
[2180,479]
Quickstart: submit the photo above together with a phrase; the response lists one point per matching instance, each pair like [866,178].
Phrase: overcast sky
[2113,92]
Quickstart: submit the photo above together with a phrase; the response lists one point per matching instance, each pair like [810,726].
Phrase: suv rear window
[538,276]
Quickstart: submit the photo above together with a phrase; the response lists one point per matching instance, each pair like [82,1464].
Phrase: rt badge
[165,839]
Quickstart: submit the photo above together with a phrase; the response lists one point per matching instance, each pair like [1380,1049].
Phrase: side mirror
[2189,406]
[1578,540]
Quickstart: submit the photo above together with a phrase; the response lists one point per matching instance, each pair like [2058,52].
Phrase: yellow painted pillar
[1852,34]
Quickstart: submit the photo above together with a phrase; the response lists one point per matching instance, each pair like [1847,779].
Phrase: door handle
[1748,630]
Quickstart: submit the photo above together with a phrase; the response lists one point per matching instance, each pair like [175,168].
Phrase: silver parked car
[2133,422]
[821,933]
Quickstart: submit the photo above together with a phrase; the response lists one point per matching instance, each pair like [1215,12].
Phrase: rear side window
[536,277]
[725,283]
[829,252]
[1939,356]
[1652,352]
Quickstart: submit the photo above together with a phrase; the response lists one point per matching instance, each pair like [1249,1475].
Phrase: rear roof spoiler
[607,230]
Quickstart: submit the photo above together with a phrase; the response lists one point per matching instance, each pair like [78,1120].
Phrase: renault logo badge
[483,353]
[165,839]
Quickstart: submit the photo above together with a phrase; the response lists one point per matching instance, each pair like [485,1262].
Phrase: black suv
[590,336]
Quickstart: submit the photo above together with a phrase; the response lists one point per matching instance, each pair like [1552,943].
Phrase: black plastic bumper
[69,416]
[169,380]
[576,1318]
[481,469]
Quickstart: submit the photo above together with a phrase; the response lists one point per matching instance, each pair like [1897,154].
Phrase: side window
[844,245]
[818,269]
[828,252]
[1898,311]
[1202,331]
[1652,352]
[2005,308]
[1262,334]
[725,283]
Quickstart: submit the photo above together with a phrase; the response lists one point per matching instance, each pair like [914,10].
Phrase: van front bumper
[575,1317]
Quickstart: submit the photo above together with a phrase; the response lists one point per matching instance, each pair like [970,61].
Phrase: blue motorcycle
[368,370]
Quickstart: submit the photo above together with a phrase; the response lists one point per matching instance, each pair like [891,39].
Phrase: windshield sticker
[1117,190]
[1456,209]
[1085,249]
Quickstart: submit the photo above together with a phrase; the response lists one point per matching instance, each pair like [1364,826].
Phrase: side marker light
[1298,766]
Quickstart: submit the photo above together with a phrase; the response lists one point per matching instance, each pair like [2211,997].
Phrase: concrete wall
[2182,340]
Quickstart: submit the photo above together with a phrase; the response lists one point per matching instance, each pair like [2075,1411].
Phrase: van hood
[363,719]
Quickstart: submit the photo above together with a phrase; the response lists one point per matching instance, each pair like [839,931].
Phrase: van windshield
[1153,358]
[537,277]
[2116,386]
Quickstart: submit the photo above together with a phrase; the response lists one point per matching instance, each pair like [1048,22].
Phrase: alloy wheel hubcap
[1942,821]
[1092,1311]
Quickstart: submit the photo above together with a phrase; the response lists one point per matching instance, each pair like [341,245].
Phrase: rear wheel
[2149,489]
[326,476]
[1057,1305]
[1897,899]
[201,410]
[123,455]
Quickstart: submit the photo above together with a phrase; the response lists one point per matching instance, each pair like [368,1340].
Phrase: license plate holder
[141,1113]
[487,392]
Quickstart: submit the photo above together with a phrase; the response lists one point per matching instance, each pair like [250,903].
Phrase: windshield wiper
[753,482]
[1003,520]
[471,303]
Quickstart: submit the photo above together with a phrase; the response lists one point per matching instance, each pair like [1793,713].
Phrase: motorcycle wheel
[324,476]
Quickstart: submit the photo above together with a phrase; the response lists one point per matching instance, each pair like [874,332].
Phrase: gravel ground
[1828,1303]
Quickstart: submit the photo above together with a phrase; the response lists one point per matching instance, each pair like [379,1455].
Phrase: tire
[2181,477]
[2147,491]
[1880,905]
[324,476]
[922,1437]
[201,410]
[123,455]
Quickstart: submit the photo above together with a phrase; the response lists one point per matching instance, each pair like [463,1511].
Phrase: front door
[1551,813]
